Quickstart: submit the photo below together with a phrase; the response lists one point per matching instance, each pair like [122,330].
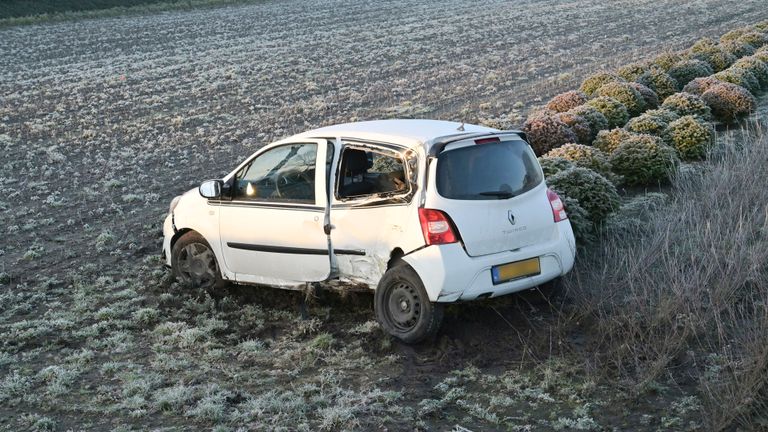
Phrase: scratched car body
[424,212]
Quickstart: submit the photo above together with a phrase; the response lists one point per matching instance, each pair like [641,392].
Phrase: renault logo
[510,217]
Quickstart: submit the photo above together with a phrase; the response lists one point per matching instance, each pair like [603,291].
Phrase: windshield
[497,170]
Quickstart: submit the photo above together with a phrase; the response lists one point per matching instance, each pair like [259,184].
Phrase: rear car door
[373,191]
[272,229]
[493,190]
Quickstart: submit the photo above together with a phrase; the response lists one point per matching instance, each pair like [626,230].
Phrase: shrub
[546,132]
[583,228]
[663,114]
[632,216]
[709,51]
[594,82]
[757,67]
[762,54]
[737,49]
[542,112]
[666,60]
[762,26]
[691,137]
[624,93]
[553,165]
[686,70]
[699,85]
[755,39]
[632,71]
[596,119]
[734,34]
[594,192]
[614,111]
[566,101]
[729,101]
[659,81]
[649,96]
[740,77]
[684,104]
[585,157]
[501,122]
[643,159]
[718,59]
[608,141]
[703,44]
[579,125]
[648,124]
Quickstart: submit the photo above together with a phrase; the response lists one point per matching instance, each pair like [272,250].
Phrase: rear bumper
[449,274]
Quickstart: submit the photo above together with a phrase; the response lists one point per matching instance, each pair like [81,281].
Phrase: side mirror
[210,189]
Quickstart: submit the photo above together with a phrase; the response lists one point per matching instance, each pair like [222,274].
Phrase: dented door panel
[364,238]
[367,229]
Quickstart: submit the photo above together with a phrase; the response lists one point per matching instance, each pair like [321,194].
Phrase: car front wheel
[403,308]
[194,263]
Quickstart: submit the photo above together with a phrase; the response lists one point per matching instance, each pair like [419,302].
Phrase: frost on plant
[643,160]
[684,104]
[596,119]
[594,82]
[624,93]
[553,165]
[659,81]
[698,86]
[546,132]
[729,101]
[566,101]
[691,137]
[740,77]
[613,110]
[583,156]
[686,71]
[594,193]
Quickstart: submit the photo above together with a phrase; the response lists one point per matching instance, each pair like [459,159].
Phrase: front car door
[272,229]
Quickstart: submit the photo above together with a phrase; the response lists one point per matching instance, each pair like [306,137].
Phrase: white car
[424,212]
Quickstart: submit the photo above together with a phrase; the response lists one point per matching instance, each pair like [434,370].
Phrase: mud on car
[424,212]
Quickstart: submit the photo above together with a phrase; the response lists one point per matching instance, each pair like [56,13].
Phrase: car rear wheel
[194,263]
[403,308]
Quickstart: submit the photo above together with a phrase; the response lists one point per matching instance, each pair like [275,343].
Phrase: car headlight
[174,203]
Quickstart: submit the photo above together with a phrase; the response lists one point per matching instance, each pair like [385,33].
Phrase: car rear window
[496,170]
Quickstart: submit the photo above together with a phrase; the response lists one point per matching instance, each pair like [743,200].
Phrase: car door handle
[327,229]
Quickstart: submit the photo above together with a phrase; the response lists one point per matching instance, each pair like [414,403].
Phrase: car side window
[364,172]
[283,174]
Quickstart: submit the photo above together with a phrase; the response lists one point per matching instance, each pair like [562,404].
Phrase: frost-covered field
[102,122]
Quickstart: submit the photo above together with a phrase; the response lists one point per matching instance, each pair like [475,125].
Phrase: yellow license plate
[516,270]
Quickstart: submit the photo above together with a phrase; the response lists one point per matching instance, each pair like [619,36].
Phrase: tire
[545,294]
[194,263]
[403,308]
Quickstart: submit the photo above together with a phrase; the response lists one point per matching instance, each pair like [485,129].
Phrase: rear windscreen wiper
[498,194]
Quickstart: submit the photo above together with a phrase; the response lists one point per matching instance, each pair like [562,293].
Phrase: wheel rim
[403,306]
[197,265]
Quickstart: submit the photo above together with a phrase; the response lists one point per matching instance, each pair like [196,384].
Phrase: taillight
[436,227]
[558,209]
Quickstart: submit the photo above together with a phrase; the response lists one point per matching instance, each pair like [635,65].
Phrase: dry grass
[680,293]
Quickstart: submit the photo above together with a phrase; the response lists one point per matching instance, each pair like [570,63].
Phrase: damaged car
[423,212]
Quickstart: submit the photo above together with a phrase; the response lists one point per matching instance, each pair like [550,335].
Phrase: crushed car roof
[408,132]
